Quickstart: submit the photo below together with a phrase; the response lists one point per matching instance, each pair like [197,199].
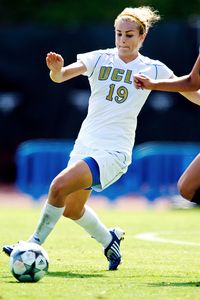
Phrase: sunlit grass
[78,268]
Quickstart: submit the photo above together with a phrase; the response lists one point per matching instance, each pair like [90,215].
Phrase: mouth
[123,47]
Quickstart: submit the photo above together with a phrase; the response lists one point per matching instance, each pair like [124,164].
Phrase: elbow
[193,83]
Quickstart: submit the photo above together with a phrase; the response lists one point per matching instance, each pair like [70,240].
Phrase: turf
[78,269]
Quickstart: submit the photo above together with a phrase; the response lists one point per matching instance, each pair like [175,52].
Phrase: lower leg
[92,224]
[49,217]
[69,180]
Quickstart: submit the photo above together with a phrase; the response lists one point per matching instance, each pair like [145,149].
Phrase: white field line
[154,237]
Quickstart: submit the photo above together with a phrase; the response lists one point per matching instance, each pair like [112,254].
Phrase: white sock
[48,219]
[91,223]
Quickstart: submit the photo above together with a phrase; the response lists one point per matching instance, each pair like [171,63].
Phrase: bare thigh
[74,204]
[189,181]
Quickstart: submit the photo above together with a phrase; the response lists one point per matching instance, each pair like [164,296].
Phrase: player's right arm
[59,72]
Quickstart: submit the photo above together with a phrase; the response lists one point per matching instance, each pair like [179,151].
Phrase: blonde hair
[144,16]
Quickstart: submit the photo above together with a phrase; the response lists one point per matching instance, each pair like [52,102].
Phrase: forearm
[64,74]
[192,96]
[68,72]
[190,82]
[185,83]
[181,84]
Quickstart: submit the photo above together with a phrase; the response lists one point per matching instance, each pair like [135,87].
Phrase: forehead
[124,25]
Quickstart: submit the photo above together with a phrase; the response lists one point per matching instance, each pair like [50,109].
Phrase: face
[128,40]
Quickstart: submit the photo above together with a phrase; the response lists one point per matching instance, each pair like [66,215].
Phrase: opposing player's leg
[189,182]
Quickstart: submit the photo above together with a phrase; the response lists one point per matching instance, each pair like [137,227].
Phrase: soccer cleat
[112,252]
[7,249]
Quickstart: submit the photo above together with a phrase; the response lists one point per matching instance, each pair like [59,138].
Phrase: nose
[123,39]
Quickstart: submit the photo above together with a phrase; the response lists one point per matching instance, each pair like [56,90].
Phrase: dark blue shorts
[94,168]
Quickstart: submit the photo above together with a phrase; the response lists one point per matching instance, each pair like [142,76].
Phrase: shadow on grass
[57,274]
[177,284]
[73,275]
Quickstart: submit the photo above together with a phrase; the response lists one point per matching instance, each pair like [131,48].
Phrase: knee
[56,188]
[184,189]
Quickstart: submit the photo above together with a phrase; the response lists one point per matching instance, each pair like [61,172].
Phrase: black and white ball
[29,262]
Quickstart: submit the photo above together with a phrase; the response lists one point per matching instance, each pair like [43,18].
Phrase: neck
[129,58]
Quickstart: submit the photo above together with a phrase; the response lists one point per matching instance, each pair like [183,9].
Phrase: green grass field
[78,269]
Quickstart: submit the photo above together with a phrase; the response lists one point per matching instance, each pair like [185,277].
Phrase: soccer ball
[29,262]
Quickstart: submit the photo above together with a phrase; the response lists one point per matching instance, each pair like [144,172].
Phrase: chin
[123,51]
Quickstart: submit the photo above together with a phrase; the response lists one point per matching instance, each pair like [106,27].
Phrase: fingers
[53,57]
[141,77]
[54,61]
[141,81]
[138,83]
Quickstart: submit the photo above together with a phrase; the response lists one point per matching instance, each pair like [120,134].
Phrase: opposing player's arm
[193,96]
[175,84]
[59,72]
[195,74]
[190,82]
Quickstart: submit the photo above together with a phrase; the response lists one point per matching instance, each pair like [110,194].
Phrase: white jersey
[115,103]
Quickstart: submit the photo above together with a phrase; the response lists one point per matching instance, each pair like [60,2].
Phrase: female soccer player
[103,148]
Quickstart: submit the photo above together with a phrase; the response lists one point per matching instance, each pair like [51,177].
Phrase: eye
[119,34]
[130,35]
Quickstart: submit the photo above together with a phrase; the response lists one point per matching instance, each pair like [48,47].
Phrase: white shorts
[112,164]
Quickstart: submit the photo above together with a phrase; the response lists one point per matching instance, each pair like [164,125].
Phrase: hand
[54,61]
[143,82]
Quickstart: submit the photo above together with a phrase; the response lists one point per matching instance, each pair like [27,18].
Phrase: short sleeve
[90,60]
[163,72]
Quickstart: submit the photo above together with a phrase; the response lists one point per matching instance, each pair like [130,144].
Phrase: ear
[143,36]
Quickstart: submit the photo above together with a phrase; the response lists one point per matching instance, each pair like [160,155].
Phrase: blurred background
[33,107]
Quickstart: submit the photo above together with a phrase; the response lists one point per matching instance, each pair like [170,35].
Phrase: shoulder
[159,69]
[93,58]
[149,61]
[109,51]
